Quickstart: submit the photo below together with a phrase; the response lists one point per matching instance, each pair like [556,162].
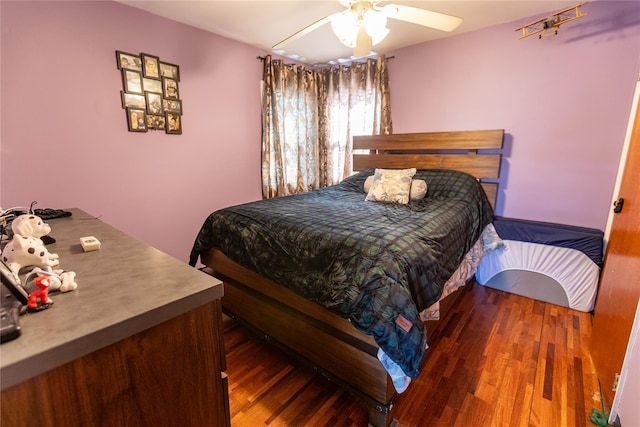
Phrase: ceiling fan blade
[363,44]
[319,23]
[426,18]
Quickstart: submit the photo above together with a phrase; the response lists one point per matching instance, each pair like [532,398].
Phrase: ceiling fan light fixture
[390,10]
[378,36]
[364,23]
[376,25]
[345,26]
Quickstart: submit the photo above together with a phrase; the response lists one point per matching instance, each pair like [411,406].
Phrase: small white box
[89,243]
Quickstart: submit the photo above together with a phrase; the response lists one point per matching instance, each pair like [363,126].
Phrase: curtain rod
[262,58]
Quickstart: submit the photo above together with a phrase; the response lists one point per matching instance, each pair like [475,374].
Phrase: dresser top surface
[124,288]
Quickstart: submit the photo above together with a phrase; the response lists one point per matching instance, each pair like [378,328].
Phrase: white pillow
[417,191]
[367,183]
[391,185]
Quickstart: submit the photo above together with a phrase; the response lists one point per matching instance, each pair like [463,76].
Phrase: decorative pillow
[367,183]
[417,191]
[391,185]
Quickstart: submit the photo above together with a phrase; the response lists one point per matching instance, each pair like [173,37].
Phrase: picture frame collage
[150,95]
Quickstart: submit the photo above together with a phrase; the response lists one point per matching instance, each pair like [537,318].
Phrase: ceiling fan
[364,23]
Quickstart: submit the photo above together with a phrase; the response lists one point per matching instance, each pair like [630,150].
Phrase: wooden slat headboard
[435,150]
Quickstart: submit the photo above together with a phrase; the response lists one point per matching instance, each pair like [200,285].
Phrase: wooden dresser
[139,343]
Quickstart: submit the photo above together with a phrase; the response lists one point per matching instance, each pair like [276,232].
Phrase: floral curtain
[290,145]
[355,101]
[309,118]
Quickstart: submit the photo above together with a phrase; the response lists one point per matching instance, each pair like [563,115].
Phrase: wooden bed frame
[311,332]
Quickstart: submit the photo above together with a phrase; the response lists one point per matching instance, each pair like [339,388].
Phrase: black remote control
[9,323]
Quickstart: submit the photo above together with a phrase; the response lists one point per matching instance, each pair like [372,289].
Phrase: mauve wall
[563,101]
[64,134]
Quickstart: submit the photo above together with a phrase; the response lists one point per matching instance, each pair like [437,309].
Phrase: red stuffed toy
[42,294]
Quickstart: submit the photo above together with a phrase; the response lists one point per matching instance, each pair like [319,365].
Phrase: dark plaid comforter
[376,264]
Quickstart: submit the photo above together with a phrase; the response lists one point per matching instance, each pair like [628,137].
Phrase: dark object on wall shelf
[150,93]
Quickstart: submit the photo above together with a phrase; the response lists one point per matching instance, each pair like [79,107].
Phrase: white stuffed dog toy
[26,249]
[30,225]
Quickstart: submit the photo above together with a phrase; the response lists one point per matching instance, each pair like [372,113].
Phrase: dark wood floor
[497,359]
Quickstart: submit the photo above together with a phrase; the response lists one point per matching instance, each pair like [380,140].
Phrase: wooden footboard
[314,334]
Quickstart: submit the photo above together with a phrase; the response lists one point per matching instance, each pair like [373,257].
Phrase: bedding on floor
[555,263]
[377,264]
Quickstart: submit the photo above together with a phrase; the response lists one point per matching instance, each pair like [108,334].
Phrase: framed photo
[150,66]
[132,100]
[154,103]
[150,122]
[172,105]
[171,71]
[137,119]
[150,94]
[128,61]
[152,85]
[158,122]
[132,81]
[173,123]
[170,88]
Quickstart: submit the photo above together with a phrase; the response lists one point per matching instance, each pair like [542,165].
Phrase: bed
[378,278]
[556,263]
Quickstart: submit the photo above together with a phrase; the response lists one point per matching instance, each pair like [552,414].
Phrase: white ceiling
[265,23]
